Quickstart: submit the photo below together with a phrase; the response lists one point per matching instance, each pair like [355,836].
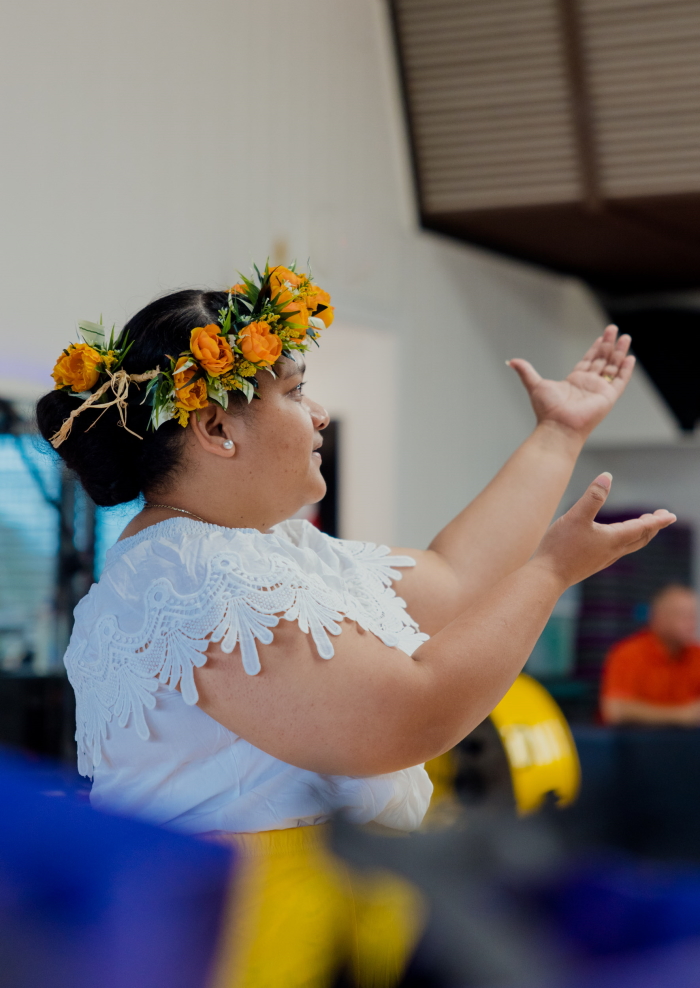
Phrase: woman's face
[279,437]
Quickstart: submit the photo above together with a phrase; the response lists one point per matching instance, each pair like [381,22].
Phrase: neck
[156,506]
[229,509]
[672,646]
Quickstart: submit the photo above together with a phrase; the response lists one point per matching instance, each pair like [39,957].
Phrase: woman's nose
[320,416]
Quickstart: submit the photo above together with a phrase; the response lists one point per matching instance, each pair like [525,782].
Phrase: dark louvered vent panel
[643,61]
[489,102]
[566,132]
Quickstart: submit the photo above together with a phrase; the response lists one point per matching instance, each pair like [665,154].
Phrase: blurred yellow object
[526,732]
[442,771]
[299,916]
[540,749]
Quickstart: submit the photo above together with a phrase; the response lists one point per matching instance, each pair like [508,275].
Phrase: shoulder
[173,590]
[184,578]
[344,554]
[178,538]
[184,551]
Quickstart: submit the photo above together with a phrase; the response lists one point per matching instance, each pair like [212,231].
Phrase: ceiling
[563,132]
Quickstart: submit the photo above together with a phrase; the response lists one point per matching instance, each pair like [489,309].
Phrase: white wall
[366,405]
[151,145]
[646,477]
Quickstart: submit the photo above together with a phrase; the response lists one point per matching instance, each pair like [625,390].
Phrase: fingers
[607,348]
[526,372]
[617,356]
[604,356]
[587,507]
[609,358]
[638,532]
[624,374]
[621,347]
[585,361]
[596,357]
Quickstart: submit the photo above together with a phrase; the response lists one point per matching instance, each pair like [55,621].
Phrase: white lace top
[139,633]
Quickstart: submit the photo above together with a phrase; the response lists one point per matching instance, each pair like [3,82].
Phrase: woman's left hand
[584,398]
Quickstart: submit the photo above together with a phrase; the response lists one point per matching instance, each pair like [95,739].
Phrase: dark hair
[114,466]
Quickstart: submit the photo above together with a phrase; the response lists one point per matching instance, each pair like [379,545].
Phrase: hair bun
[113,465]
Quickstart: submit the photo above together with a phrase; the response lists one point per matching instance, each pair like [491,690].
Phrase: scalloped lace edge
[115,674]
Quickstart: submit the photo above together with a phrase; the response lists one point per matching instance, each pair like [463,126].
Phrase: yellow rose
[211,350]
[189,396]
[77,368]
[259,345]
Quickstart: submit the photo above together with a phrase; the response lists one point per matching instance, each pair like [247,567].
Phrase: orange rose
[280,274]
[316,298]
[211,350]
[238,289]
[326,315]
[259,345]
[189,396]
[77,368]
[284,283]
[297,313]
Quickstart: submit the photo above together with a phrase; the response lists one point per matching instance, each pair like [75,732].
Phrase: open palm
[585,397]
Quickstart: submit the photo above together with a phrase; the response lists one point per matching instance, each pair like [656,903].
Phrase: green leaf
[217,392]
[92,332]
[122,355]
[251,286]
[162,413]
[247,387]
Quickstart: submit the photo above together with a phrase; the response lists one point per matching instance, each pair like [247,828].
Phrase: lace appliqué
[241,598]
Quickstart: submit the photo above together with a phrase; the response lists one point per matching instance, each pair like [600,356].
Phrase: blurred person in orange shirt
[653,677]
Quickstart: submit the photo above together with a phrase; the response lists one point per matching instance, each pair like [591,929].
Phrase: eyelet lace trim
[246,588]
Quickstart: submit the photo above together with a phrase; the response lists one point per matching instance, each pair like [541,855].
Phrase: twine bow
[119,383]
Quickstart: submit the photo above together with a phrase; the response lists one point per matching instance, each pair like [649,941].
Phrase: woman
[238,673]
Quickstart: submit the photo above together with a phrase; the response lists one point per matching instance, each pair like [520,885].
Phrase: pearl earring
[228,444]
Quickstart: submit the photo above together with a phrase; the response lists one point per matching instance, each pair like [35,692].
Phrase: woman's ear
[214,430]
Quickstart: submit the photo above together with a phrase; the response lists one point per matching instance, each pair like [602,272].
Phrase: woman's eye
[299,390]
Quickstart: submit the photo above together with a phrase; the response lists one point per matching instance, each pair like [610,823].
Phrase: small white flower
[218,392]
[163,414]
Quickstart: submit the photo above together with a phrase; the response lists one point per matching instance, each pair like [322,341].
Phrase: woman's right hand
[371,709]
[576,546]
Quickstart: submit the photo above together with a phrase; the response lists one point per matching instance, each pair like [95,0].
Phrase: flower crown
[281,311]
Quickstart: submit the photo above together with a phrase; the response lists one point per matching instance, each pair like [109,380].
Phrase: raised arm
[500,529]
[371,709]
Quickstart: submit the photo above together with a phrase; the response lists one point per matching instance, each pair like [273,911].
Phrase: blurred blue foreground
[93,901]
[90,900]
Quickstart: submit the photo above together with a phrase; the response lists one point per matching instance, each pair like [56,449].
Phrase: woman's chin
[318,492]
